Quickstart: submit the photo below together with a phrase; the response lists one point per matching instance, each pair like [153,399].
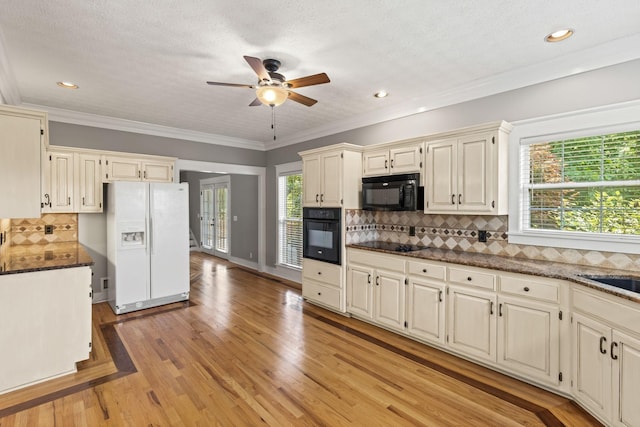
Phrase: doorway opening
[214,216]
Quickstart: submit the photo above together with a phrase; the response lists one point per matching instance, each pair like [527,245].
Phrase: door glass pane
[221,219]
[207,217]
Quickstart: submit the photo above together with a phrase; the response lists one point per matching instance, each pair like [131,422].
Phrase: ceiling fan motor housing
[271,65]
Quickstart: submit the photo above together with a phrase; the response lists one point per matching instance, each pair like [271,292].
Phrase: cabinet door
[60,181]
[474,171]
[157,171]
[592,365]
[89,183]
[123,169]
[376,162]
[311,181]
[625,353]
[389,300]
[359,294]
[20,145]
[442,175]
[425,310]
[529,338]
[472,322]
[331,173]
[406,159]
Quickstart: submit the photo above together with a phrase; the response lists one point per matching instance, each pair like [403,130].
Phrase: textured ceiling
[148,61]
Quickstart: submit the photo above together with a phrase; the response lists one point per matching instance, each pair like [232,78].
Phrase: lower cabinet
[376,288]
[322,283]
[606,360]
[472,322]
[425,309]
[529,338]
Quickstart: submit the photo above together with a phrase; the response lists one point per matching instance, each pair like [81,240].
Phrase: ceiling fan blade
[301,99]
[230,84]
[316,79]
[258,67]
[256,102]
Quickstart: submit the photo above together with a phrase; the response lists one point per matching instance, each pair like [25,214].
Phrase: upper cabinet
[72,178]
[23,136]
[138,168]
[467,171]
[396,159]
[71,181]
[331,176]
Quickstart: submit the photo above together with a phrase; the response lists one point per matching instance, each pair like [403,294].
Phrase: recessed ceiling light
[68,85]
[558,36]
[381,94]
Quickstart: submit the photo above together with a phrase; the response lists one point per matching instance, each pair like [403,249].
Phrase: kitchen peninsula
[45,312]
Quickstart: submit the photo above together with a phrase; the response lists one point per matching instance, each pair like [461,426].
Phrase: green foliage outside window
[589,184]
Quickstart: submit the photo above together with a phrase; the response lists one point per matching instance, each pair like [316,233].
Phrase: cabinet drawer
[528,288]
[424,269]
[327,295]
[322,272]
[377,260]
[469,277]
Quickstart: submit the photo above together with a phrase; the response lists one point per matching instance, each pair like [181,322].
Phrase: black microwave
[392,193]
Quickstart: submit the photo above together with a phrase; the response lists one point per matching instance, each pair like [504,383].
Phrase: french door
[214,218]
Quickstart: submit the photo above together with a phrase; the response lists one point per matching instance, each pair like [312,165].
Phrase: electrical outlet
[104,283]
[48,229]
[412,230]
[482,236]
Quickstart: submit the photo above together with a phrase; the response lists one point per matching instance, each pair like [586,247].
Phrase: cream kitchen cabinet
[426,301]
[393,159]
[471,322]
[24,135]
[376,288]
[322,284]
[331,176]
[529,328]
[71,181]
[467,172]
[137,168]
[606,358]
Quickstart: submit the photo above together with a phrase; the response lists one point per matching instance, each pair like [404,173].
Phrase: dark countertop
[28,258]
[550,269]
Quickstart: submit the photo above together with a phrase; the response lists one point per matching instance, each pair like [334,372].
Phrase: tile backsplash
[460,233]
[31,231]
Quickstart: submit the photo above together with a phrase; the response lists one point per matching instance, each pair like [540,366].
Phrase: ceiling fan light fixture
[272,95]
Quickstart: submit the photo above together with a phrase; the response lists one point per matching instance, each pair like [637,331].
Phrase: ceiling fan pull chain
[273,121]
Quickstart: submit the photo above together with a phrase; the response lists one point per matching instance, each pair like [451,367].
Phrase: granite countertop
[28,258]
[550,269]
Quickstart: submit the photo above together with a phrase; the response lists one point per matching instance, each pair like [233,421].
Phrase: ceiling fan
[272,88]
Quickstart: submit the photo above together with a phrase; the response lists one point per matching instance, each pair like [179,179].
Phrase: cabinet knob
[319,273]
[526,289]
[469,278]
[319,293]
[424,270]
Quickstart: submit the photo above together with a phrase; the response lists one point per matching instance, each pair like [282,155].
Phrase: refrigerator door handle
[151,235]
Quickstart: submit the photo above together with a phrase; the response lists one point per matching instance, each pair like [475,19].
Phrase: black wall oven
[321,235]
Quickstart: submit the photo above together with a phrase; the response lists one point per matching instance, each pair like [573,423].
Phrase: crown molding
[600,56]
[113,123]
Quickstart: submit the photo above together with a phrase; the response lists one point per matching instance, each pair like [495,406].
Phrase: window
[290,215]
[589,184]
[575,180]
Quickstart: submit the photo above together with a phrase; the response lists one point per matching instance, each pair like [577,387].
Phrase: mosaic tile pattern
[30,231]
[459,233]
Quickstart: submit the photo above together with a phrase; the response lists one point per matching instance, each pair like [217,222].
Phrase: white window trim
[284,169]
[617,117]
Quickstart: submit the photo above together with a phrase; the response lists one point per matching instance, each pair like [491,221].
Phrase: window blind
[290,219]
[589,184]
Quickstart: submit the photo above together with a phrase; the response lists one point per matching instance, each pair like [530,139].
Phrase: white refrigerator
[147,244]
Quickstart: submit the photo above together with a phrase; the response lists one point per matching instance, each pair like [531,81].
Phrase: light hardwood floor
[248,351]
